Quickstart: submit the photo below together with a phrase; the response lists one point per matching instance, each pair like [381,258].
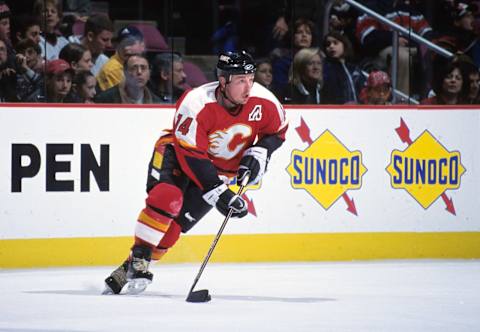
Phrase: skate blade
[107,291]
[136,286]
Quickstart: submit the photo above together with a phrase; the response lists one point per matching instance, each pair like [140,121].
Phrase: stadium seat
[195,76]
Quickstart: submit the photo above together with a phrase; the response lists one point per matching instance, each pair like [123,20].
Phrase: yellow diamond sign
[326,169]
[425,169]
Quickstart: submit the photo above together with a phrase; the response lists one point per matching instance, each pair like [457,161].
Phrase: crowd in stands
[299,58]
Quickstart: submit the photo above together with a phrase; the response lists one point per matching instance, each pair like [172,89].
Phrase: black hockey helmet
[235,63]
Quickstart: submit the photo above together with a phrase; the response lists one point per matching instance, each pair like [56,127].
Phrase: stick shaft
[217,237]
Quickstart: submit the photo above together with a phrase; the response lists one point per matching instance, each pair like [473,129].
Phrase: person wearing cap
[461,36]
[375,38]
[58,77]
[378,89]
[130,42]
[133,88]
[221,130]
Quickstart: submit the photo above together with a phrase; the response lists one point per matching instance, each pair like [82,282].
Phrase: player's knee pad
[164,202]
[165,198]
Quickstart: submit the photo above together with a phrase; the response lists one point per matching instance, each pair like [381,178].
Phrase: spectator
[58,76]
[130,42]
[378,89]
[84,86]
[461,36]
[306,78]
[30,76]
[5,15]
[282,58]
[26,27]
[312,10]
[449,84]
[472,74]
[375,38]
[77,56]
[97,37]
[133,88]
[7,74]
[49,13]
[343,19]
[342,80]
[168,77]
[264,75]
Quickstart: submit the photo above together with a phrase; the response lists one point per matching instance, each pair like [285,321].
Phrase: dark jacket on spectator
[114,95]
[300,94]
[8,81]
[342,82]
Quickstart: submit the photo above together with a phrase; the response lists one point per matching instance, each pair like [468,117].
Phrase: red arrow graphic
[449,203]
[251,206]
[404,132]
[350,203]
[304,132]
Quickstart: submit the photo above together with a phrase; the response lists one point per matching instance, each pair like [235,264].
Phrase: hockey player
[220,130]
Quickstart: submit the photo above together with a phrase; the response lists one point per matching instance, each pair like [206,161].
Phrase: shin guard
[164,202]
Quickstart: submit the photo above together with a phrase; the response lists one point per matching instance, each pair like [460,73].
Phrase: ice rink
[423,295]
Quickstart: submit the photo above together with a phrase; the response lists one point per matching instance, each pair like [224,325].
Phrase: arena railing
[398,29]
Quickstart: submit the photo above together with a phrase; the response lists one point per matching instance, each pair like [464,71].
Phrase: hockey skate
[133,274]
[117,280]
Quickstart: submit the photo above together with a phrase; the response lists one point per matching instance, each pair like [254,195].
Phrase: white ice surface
[354,296]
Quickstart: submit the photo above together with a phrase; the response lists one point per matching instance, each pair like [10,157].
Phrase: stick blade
[199,296]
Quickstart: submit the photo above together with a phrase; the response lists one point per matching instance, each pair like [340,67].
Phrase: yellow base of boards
[28,253]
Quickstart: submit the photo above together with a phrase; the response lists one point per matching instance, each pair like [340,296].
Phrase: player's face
[238,90]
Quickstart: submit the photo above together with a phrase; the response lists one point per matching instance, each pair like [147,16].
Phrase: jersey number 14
[184,127]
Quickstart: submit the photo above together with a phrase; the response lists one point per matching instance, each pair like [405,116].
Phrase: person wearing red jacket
[220,130]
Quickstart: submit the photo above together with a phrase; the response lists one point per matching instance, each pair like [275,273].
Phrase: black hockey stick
[203,295]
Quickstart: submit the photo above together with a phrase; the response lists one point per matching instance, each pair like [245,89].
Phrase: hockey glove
[255,160]
[224,199]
